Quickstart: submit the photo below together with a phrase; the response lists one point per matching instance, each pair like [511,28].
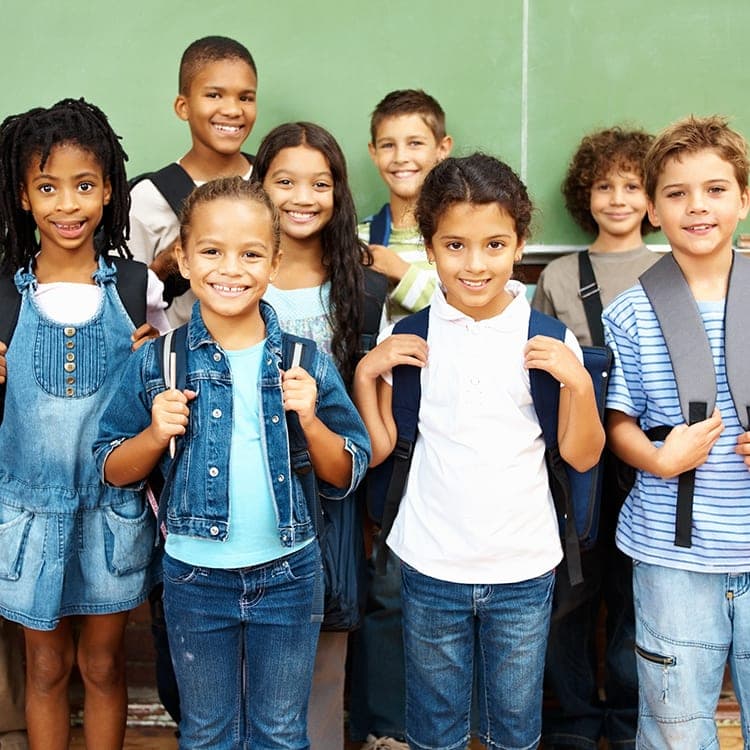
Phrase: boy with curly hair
[604,193]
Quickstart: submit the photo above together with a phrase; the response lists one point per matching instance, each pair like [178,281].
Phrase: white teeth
[228,289]
[476,284]
[301,214]
[233,129]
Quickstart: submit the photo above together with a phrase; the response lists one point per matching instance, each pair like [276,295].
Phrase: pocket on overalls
[70,362]
[14,531]
[128,536]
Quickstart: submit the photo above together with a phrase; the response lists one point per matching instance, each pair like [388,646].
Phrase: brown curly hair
[597,155]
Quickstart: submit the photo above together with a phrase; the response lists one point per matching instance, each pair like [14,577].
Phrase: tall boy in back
[690,584]
[605,195]
[218,82]
[408,138]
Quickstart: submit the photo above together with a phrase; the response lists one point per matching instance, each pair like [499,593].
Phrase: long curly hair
[343,253]
[30,137]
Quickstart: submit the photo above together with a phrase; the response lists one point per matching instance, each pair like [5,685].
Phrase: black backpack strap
[10,306]
[590,295]
[692,363]
[380,226]
[132,286]
[376,291]
[406,394]
[174,183]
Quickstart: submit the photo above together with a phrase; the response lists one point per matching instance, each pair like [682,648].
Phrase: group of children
[276,263]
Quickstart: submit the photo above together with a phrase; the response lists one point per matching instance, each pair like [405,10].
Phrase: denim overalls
[68,544]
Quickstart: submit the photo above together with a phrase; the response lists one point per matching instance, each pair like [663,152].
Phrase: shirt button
[69,392]
[213,471]
[280,478]
[275,418]
[216,413]
[69,344]
[70,381]
[214,531]
[217,357]
[69,367]
[69,331]
[70,357]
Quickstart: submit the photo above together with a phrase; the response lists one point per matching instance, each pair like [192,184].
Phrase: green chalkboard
[522,79]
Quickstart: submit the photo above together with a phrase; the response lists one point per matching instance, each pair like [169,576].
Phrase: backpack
[577,495]
[174,184]
[338,525]
[380,226]
[132,284]
[692,362]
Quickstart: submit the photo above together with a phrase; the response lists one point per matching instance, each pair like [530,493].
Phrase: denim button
[213,471]
[214,531]
[69,392]
[217,357]
[69,344]
[275,418]
[70,357]
[70,380]
[216,413]
[69,367]
[280,478]
[69,331]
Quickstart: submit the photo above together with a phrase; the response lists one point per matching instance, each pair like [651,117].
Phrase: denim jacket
[198,485]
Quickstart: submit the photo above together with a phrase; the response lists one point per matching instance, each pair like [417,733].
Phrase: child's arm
[686,447]
[414,285]
[3,363]
[580,434]
[372,394]
[135,458]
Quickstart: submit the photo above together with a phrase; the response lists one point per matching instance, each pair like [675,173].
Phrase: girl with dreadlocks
[68,544]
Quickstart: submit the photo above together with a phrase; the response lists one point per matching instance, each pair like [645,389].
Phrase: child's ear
[519,251]
[182,261]
[745,203]
[444,148]
[652,217]
[107,191]
[181,107]
[275,263]
[25,202]
[371,149]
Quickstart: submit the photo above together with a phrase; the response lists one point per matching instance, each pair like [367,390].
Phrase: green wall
[522,79]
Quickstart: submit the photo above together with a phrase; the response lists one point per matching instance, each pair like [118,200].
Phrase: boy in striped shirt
[408,138]
[692,600]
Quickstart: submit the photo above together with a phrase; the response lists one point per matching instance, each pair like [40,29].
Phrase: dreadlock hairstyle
[28,139]
[343,253]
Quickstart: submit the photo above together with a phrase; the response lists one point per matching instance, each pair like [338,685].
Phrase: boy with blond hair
[684,522]
[218,83]
[407,139]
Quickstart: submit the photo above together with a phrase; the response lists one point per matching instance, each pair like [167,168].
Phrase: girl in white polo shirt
[476,530]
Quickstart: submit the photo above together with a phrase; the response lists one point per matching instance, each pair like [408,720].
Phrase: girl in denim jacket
[241,566]
[68,545]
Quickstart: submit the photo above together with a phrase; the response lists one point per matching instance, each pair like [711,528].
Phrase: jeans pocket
[128,536]
[14,530]
[302,565]
[178,572]
[654,675]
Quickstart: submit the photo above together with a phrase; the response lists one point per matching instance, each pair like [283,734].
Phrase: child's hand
[687,446]
[743,447]
[3,363]
[164,264]
[169,415]
[399,349]
[553,356]
[300,392]
[387,262]
[142,334]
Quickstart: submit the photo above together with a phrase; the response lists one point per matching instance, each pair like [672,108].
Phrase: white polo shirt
[477,506]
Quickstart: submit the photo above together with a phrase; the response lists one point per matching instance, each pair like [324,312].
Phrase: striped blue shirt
[642,385]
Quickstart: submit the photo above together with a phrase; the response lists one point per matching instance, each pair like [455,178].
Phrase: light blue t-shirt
[253,536]
[304,312]
[642,385]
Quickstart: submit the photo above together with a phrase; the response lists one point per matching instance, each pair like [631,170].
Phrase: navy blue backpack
[577,495]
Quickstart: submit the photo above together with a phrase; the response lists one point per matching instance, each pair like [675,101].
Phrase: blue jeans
[445,625]
[243,647]
[687,625]
[577,717]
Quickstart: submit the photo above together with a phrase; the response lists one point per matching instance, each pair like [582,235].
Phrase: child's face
[229,258]
[474,248]
[300,183]
[698,204]
[618,204]
[66,199]
[220,106]
[404,151]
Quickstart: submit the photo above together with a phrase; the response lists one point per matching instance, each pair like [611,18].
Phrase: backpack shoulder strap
[380,226]
[10,306]
[376,290]
[736,316]
[132,286]
[685,336]
[590,295]
[405,397]
[174,183]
